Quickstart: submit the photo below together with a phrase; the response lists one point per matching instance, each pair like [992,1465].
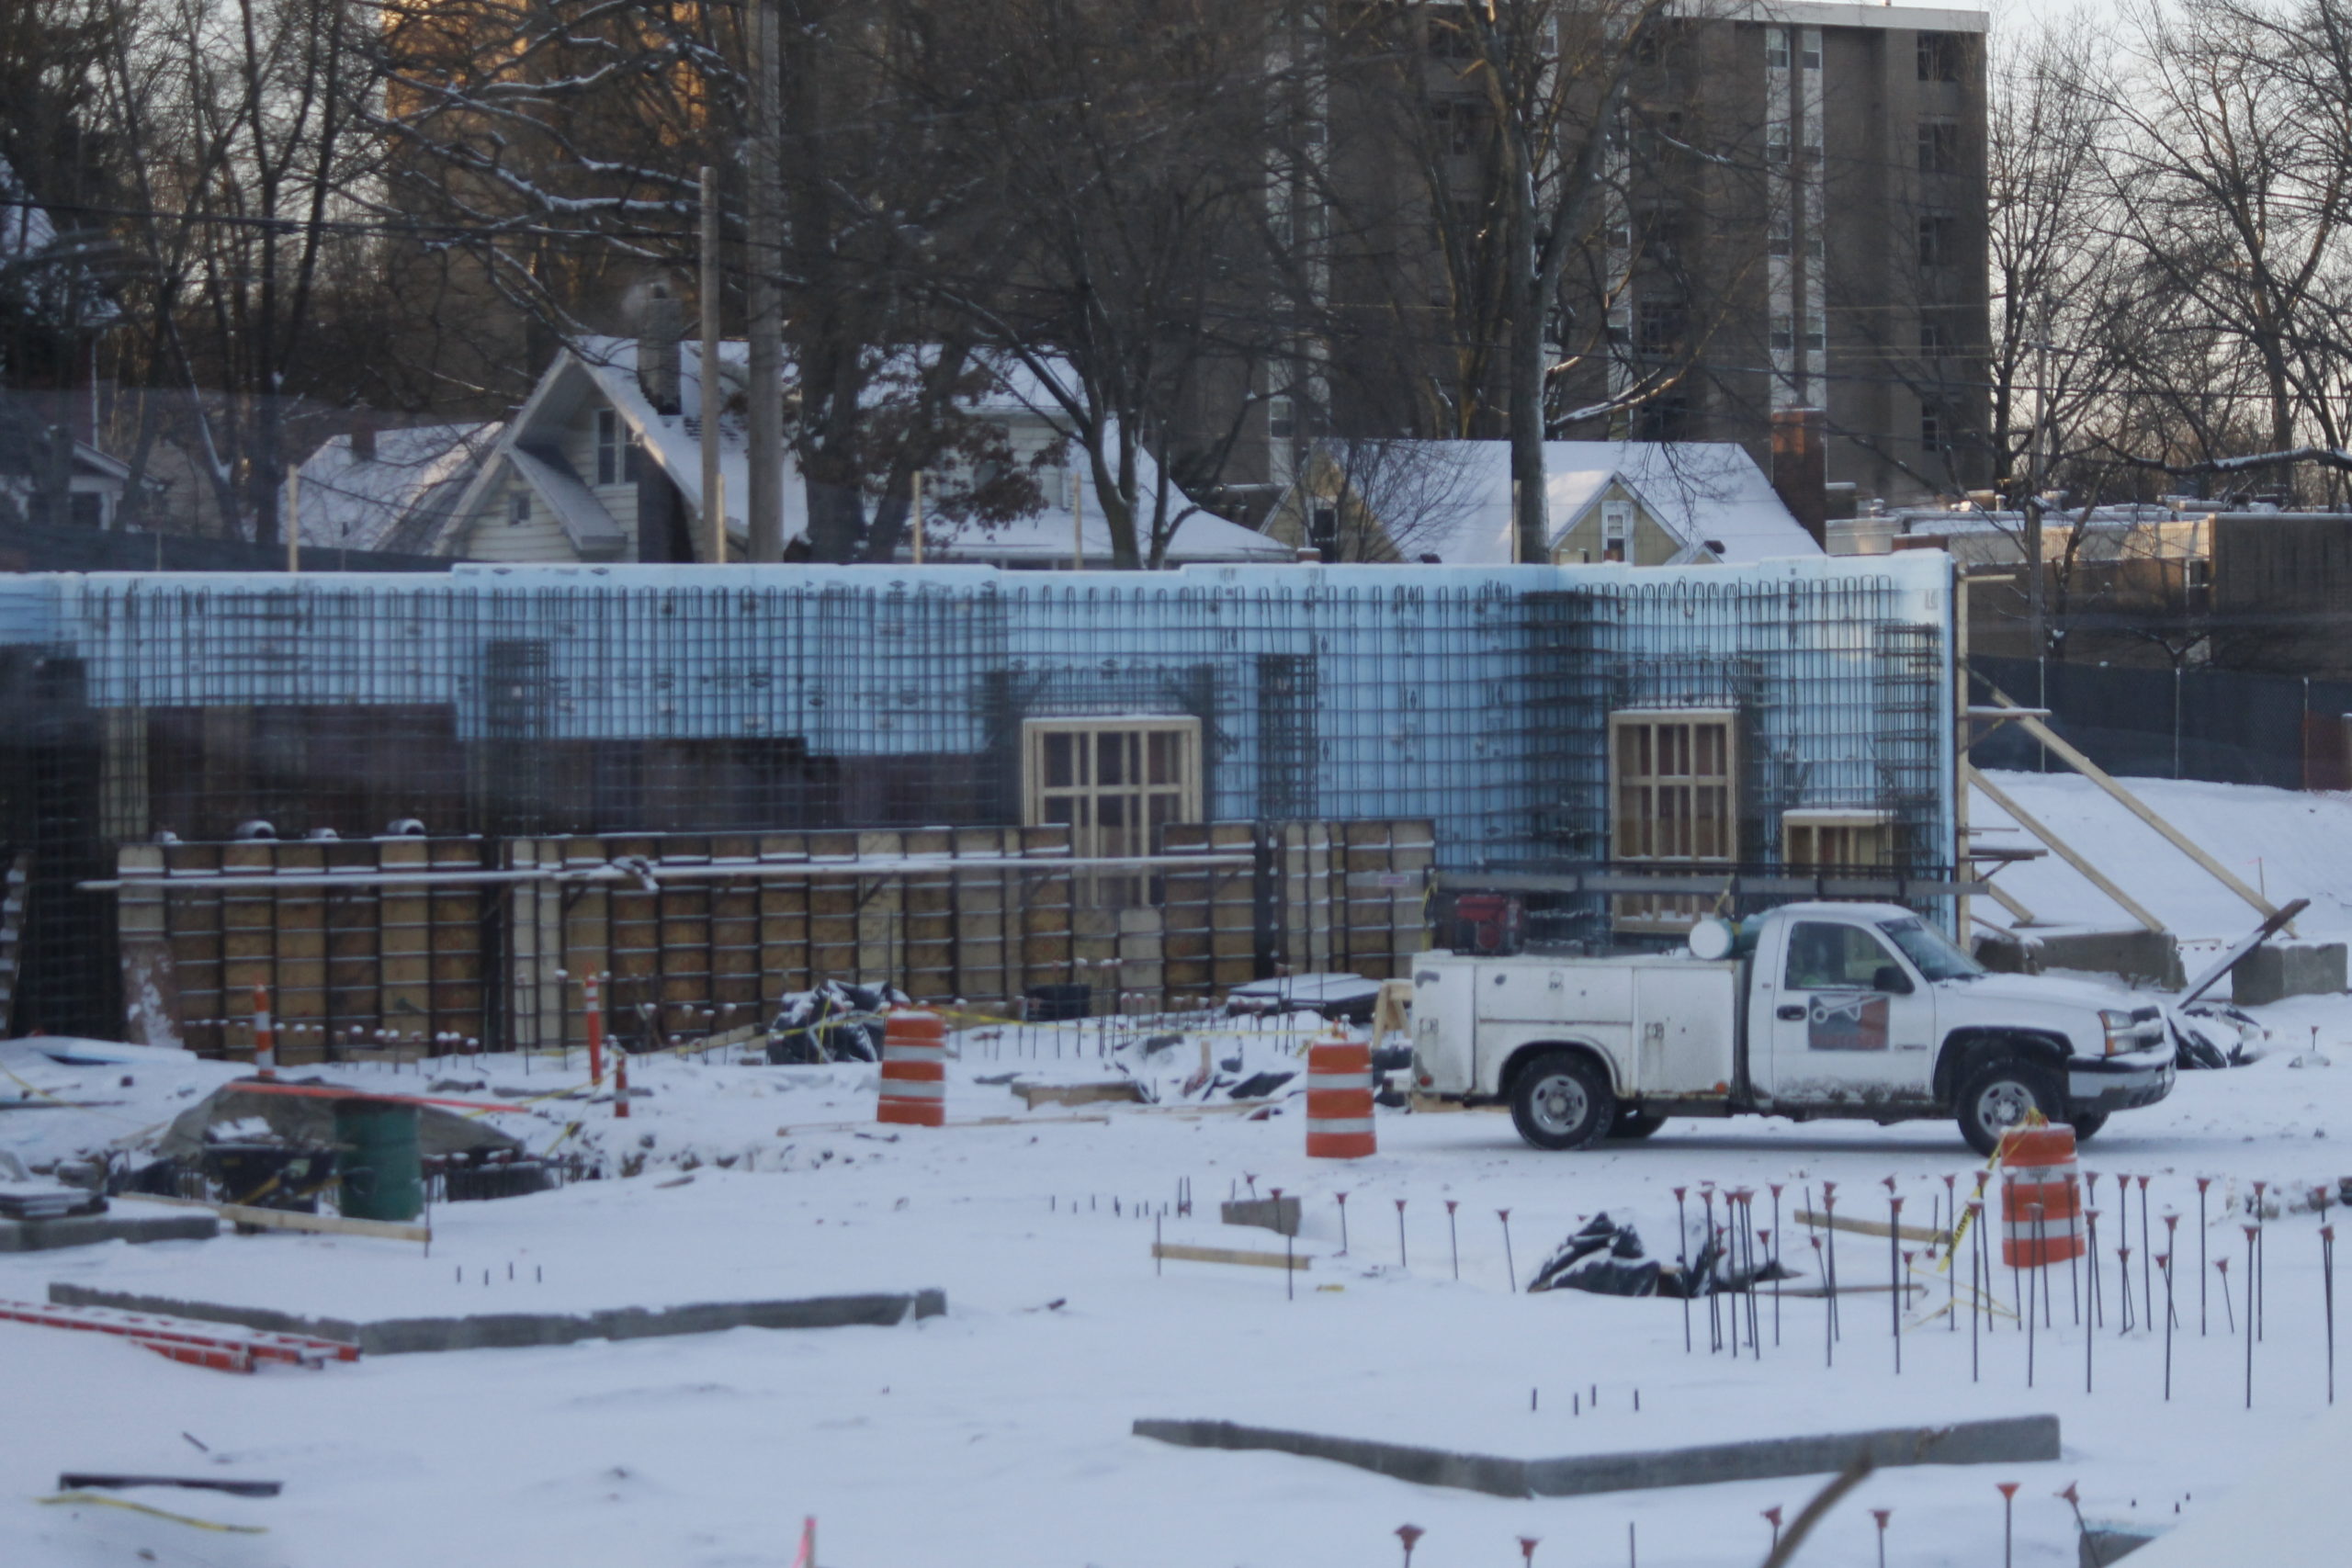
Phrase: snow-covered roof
[354,503]
[1710,495]
[50,269]
[606,368]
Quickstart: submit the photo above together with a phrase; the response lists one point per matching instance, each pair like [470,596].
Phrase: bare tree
[1388,500]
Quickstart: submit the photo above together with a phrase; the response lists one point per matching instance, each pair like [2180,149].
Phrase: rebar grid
[670,701]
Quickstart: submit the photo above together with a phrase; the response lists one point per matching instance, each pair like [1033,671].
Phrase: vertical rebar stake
[1682,1257]
[2202,1183]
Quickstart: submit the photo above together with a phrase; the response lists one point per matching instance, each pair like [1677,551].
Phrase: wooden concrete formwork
[390,947]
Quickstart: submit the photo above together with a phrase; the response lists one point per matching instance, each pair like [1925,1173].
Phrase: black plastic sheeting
[1607,1258]
[2221,725]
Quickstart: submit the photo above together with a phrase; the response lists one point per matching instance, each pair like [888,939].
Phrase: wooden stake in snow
[1400,1234]
[1512,1264]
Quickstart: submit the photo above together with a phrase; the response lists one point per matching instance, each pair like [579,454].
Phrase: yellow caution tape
[77,1499]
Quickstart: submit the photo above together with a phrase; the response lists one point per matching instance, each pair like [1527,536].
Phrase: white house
[1448,503]
[579,472]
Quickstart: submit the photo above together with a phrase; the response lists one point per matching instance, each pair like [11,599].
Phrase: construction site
[735,1041]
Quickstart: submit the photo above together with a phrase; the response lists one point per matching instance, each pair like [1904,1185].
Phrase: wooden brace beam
[2065,852]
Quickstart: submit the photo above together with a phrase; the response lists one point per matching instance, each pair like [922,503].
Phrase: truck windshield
[1927,948]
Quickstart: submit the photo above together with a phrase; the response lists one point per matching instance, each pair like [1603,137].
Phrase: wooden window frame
[1702,830]
[1802,832]
[1077,802]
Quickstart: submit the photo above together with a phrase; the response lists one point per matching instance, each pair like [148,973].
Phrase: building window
[1455,125]
[1816,336]
[1673,786]
[1934,343]
[1837,838]
[1783,230]
[1323,530]
[1282,418]
[1939,147]
[519,508]
[1941,56]
[1115,783]
[1783,331]
[1451,36]
[1661,327]
[1939,241]
[1616,529]
[615,453]
[1811,56]
[1935,428]
[1775,47]
[1776,143]
[1663,418]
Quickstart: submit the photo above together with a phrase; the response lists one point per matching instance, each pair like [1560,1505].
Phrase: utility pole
[764,396]
[712,394]
[2037,628]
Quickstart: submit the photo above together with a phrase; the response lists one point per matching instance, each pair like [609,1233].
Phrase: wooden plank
[291,1220]
[2065,852]
[2132,804]
[1177,1252]
[1872,1227]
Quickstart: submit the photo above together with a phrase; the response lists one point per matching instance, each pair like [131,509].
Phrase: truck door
[1849,1017]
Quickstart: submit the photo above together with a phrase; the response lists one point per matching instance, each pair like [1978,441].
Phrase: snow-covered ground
[1000,1434]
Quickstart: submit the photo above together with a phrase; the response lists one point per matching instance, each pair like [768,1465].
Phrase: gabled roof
[604,370]
[577,511]
[370,504]
[1711,496]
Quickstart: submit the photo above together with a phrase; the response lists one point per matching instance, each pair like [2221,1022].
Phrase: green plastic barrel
[382,1168]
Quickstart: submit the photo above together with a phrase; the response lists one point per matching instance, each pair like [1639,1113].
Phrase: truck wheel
[1997,1096]
[1634,1122]
[1562,1102]
[2087,1125]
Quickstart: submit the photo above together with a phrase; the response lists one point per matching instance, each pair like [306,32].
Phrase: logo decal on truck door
[1847,1021]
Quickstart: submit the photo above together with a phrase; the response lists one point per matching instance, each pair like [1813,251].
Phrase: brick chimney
[1799,472]
[657,348]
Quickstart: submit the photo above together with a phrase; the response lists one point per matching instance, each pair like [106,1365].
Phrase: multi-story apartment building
[1792,218]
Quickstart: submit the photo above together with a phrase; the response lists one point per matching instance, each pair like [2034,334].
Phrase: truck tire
[1562,1102]
[1997,1095]
[2087,1125]
[1634,1123]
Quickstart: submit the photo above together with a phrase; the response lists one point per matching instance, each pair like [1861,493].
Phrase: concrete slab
[1278,1215]
[2019,1439]
[88,1230]
[2278,970]
[518,1330]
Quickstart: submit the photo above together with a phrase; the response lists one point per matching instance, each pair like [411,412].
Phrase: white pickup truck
[1856,1011]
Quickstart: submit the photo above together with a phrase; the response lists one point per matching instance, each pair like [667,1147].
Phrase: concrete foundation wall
[2141,956]
[2278,970]
[517,1330]
[2021,1440]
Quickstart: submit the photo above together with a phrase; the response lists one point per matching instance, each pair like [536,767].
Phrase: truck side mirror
[1887,977]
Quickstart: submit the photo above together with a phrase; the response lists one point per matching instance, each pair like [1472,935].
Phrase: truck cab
[1818,1009]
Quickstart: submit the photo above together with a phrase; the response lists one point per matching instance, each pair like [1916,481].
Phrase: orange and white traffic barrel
[1338,1099]
[264,1035]
[914,1068]
[2042,1201]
